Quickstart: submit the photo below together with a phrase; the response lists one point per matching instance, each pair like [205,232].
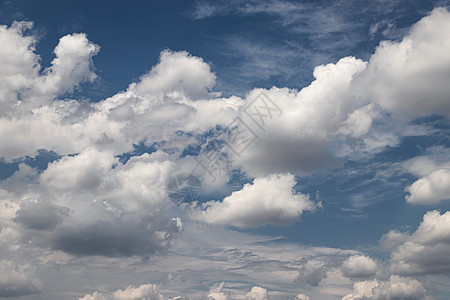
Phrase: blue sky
[318,129]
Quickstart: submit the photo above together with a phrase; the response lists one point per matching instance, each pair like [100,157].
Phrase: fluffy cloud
[257,293]
[23,87]
[434,178]
[309,130]
[268,200]
[89,202]
[97,175]
[152,292]
[394,288]
[431,188]
[19,63]
[308,126]
[143,292]
[409,78]
[425,251]
[83,206]
[83,172]
[301,297]
[71,66]
[359,266]
[177,71]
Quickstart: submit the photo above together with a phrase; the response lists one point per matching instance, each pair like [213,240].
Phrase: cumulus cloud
[72,65]
[83,206]
[395,288]
[314,118]
[301,297]
[425,251]
[359,266]
[303,137]
[366,102]
[257,293]
[409,78]
[95,296]
[433,184]
[177,71]
[431,188]
[82,172]
[23,85]
[20,63]
[268,200]
[143,292]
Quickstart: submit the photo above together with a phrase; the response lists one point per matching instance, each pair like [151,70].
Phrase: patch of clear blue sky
[236,44]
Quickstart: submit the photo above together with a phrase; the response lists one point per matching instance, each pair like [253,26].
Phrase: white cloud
[268,200]
[95,205]
[161,103]
[301,297]
[95,296]
[97,175]
[359,266]
[83,206]
[71,66]
[20,65]
[395,288]
[257,293]
[392,240]
[425,251]
[23,87]
[433,185]
[82,172]
[143,292]
[430,189]
[177,72]
[303,137]
[410,78]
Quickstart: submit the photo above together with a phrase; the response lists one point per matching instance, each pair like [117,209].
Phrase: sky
[211,150]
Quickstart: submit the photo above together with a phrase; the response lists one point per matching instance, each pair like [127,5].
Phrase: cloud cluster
[83,206]
[423,252]
[23,86]
[151,292]
[100,198]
